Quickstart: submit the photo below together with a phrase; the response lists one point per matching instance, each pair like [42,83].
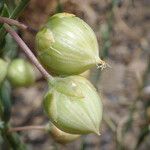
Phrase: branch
[17,23]
[17,11]
[27,51]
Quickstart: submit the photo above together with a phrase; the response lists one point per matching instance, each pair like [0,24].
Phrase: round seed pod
[3,69]
[67,45]
[73,105]
[21,73]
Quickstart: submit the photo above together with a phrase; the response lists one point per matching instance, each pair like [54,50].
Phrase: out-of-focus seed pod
[62,137]
[3,69]
[73,105]
[21,73]
[67,45]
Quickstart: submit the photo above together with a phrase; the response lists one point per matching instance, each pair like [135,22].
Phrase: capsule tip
[97,132]
[102,64]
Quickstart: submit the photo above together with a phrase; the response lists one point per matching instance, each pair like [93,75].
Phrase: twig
[42,127]
[17,11]
[27,51]
[16,23]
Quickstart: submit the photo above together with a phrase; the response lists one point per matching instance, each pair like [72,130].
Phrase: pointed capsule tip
[102,64]
[97,132]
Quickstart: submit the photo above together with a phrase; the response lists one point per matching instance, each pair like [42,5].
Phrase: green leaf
[4,13]
[59,7]
[5,97]
[11,140]
[11,4]
[10,49]
[1,5]
[8,46]
[144,133]
[19,8]
[14,141]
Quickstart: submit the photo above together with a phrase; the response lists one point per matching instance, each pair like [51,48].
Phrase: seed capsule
[73,105]
[3,69]
[21,73]
[67,45]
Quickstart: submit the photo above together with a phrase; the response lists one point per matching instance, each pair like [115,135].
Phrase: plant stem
[16,23]
[27,51]
[11,140]
[42,127]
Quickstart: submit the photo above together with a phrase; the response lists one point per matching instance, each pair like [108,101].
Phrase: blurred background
[122,29]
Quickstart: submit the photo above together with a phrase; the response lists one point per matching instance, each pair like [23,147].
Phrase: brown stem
[17,23]
[42,127]
[27,51]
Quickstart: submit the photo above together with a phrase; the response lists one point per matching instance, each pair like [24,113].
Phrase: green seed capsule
[67,45]
[73,105]
[3,69]
[21,73]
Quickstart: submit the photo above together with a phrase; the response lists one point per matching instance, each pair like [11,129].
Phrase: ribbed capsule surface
[73,105]
[67,45]
[3,69]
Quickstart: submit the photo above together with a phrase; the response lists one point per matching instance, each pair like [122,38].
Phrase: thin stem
[12,140]
[27,51]
[16,23]
[42,127]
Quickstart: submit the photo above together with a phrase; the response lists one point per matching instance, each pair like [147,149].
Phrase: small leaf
[10,49]
[3,70]
[144,133]
[4,13]
[5,97]
[59,7]
[1,5]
